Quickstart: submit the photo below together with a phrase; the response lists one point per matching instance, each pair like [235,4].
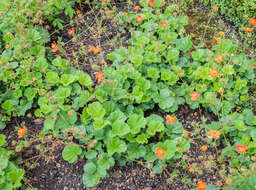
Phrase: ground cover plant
[104,84]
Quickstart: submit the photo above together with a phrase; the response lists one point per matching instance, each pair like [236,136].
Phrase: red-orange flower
[218,59]
[201,185]
[170,119]
[246,29]
[151,3]
[103,1]
[221,91]
[78,11]
[218,40]
[54,47]
[194,96]
[214,72]
[139,18]
[159,152]
[71,31]
[99,76]
[213,134]
[164,24]
[241,149]
[22,131]
[94,49]
[252,21]
[137,8]
[180,73]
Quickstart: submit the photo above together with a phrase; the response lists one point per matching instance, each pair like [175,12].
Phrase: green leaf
[101,95]
[85,79]
[173,55]
[169,76]
[136,123]
[116,116]
[95,109]
[106,162]
[67,79]
[90,154]
[240,125]
[183,44]
[90,168]
[2,140]
[8,105]
[153,73]
[115,145]
[30,93]
[15,176]
[137,60]
[52,77]
[71,152]
[62,92]
[98,123]
[240,84]
[142,138]
[119,128]
[90,177]
[228,69]
[211,187]
[136,151]
[49,124]
[199,55]
[155,126]
[157,169]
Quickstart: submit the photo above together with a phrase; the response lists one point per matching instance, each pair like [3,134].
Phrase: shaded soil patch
[96,26]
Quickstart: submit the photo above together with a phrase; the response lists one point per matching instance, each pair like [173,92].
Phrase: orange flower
[99,76]
[194,96]
[181,0]
[139,18]
[180,73]
[22,131]
[164,24]
[170,119]
[191,170]
[218,59]
[70,112]
[228,181]
[71,31]
[78,11]
[22,10]
[247,29]
[204,148]
[54,47]
[218,40]
[214,134]
[201,185]
[151,3]
[137,8]
[221,33]
[252,21]
[221,91]
[7,46]
[94,49]
[241,149]
[254,66]
[214,72]
[159,152]
[103,1]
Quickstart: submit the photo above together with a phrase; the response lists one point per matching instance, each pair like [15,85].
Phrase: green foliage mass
[235,10]
[114,121]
